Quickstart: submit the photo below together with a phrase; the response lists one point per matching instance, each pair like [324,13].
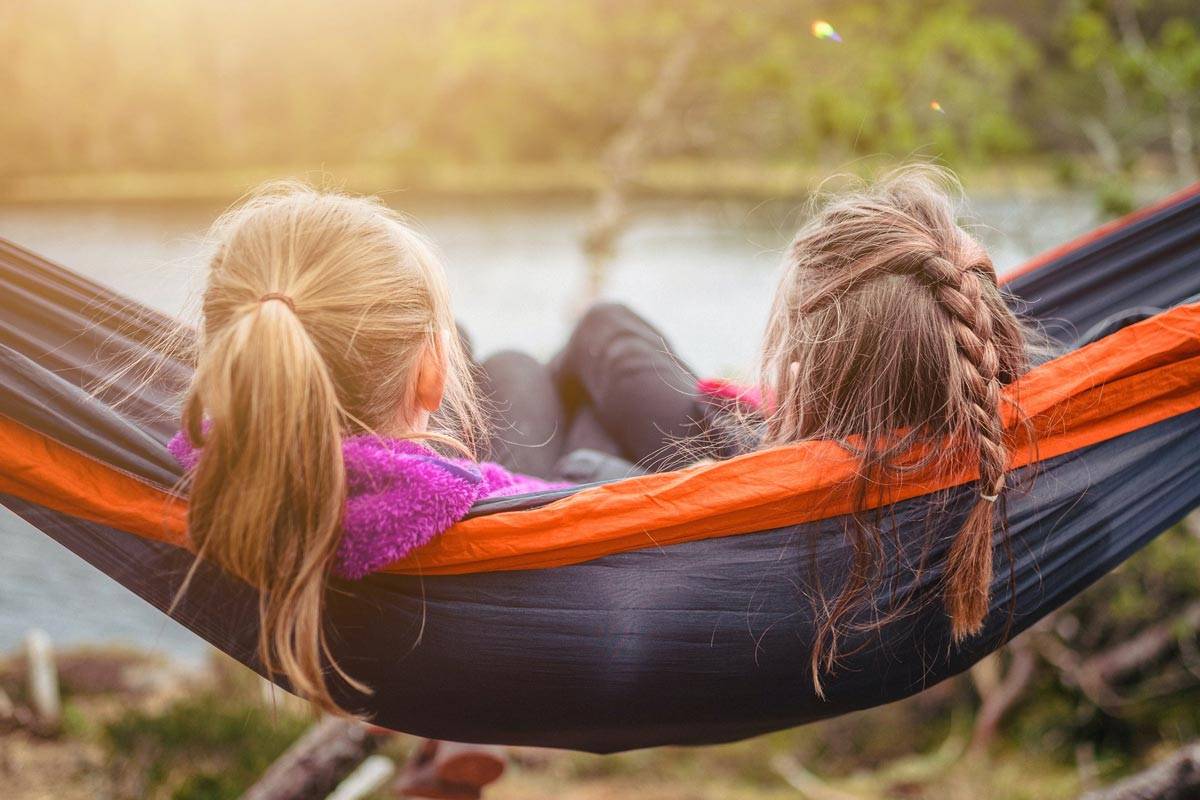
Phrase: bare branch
[1103,142]
[1174,778]
[1002,696]
[626,153]
[806,783]
[1133,654]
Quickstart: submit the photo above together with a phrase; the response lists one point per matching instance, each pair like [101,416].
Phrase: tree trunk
[625,155]
[1183,141]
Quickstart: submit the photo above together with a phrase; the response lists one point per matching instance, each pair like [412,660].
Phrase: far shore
[671,179]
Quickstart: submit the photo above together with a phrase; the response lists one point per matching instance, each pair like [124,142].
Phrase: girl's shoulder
[376,463]
[371,461]
[400,494]
[499,482]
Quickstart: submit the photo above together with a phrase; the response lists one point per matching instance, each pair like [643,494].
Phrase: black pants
[617,388]
[531,427]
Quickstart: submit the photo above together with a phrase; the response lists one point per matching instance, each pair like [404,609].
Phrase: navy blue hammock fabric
[700,642]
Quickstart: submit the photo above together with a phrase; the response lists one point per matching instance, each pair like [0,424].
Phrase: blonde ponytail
[272,480]
[317,308]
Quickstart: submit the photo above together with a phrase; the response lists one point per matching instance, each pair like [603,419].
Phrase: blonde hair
[316,312]
[890,334]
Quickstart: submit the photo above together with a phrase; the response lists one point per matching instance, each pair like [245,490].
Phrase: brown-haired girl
[889,334]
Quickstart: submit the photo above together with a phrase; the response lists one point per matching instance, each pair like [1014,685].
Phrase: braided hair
[890,335]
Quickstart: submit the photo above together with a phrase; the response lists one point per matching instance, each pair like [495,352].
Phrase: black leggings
[531,427]
[617,388]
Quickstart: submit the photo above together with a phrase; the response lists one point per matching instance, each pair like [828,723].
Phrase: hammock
[666,609]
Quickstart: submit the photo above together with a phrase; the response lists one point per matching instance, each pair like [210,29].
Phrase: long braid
[969,561]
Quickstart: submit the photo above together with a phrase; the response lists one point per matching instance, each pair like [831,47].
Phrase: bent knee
[604,314]
[511,369]
[509,357]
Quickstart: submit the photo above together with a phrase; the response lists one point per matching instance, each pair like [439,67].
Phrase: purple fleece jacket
[399,495]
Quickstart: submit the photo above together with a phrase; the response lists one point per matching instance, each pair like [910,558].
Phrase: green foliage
[74,722]
[224,84]
[1139,68]
[1114,197]
[207,746]
[872,92]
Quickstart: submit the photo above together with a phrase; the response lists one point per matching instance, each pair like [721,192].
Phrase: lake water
[702,271]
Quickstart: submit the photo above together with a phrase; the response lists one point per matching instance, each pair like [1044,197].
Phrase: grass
[213,744]
[207,746]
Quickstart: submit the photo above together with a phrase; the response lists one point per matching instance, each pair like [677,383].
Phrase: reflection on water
[702,271]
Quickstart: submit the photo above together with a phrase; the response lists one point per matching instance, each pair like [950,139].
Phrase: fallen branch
[1095,675]
[806,783]
[371,776]
[317,762]
[1069,665]
[906,771]
[1174,778]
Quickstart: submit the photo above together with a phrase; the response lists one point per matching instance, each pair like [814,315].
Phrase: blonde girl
[327,344]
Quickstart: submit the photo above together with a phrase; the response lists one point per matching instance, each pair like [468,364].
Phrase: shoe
[450,770]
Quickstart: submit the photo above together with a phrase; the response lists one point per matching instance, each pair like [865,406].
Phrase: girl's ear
[431,374]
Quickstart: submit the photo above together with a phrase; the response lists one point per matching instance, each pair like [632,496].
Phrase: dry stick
[986,674]
[806,783]
[625,155]
[904,771]
[1068,663]
[1174,778]
[370,777]
[1085,765]
[317,762]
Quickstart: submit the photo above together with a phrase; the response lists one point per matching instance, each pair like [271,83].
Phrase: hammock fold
[666,609]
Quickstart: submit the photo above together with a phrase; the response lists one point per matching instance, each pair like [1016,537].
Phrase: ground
[137,728]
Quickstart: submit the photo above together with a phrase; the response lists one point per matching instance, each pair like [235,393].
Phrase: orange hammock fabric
[1143,374]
